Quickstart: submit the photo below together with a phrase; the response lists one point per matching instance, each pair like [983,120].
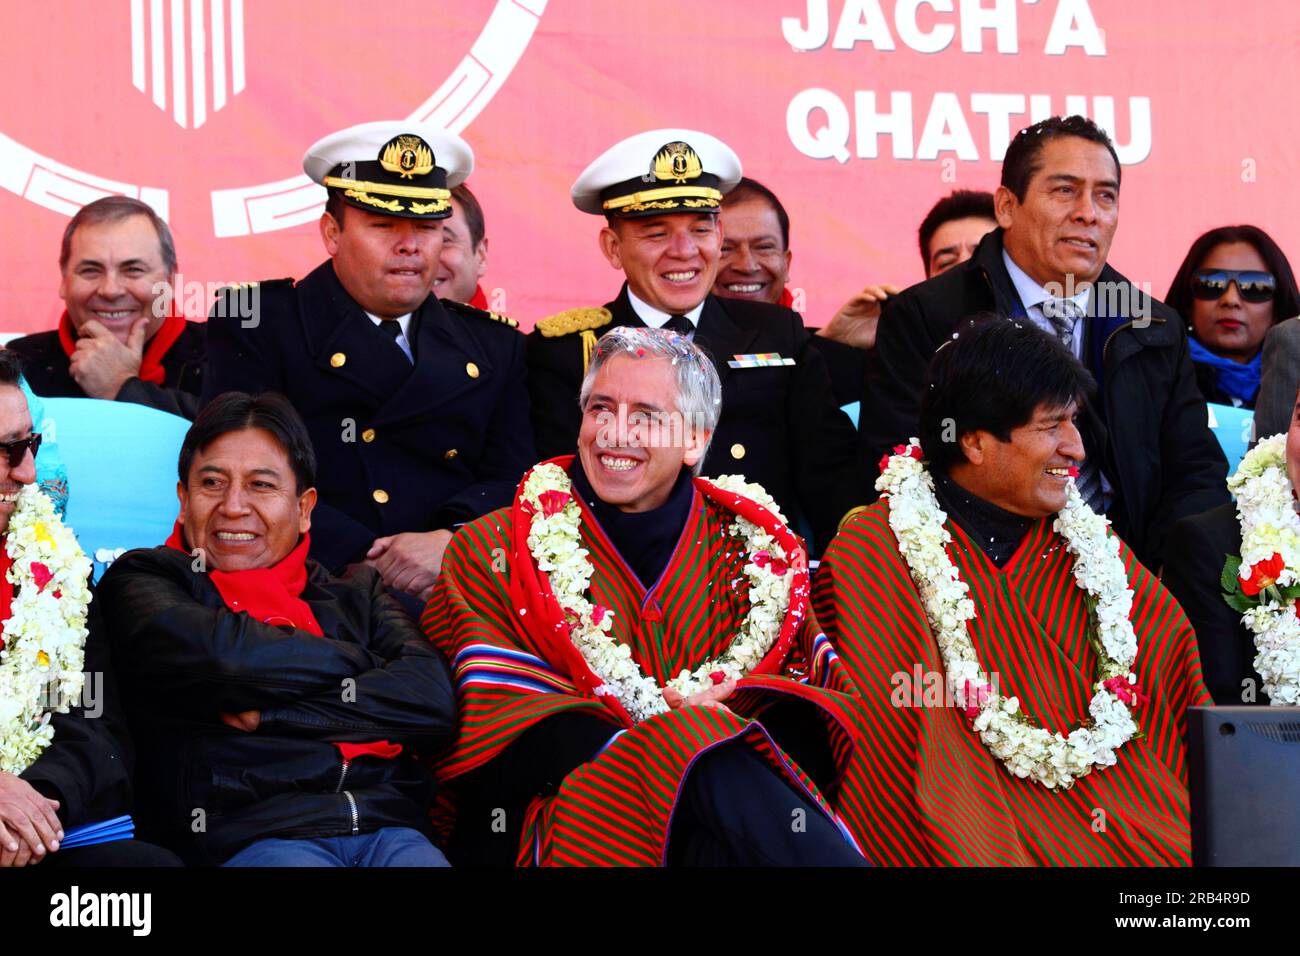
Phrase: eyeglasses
[16,451]
[1210,284]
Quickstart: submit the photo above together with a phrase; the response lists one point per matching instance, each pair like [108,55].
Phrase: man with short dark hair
[659,193]
[953,228]
[463,260]
[1024,677]
[641,683]
[307,700]
[754,263]
[417,406]
[1151,457]
[120,337]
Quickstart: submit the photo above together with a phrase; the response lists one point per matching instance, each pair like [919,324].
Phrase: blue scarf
[1233,378]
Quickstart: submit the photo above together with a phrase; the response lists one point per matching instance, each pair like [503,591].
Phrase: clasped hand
[29,826]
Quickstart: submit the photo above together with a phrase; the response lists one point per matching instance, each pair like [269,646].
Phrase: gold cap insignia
[676,162]
[407,155]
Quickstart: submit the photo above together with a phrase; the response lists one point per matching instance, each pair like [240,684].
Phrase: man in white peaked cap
[660,192]
[417,407]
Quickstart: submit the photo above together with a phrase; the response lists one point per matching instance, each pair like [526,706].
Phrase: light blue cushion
[121,463]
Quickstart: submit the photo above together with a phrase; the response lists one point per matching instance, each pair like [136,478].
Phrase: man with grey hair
[699,394]
[609,677]
[118,339]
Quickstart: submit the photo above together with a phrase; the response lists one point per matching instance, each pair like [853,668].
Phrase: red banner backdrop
[859,113]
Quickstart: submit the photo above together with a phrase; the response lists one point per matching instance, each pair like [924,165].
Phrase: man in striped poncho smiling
[640,679]
[1025,679]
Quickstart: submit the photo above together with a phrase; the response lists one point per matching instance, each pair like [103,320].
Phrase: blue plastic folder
[118,828]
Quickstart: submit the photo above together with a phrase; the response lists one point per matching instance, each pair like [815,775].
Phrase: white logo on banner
[201,41]
[189,33]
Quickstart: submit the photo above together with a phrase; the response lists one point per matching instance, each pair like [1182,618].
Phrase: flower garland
[1027,751]
[1263,583]
[555,543]
[42,650]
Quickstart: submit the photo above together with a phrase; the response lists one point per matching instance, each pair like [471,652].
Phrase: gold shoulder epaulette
[241,286]
[574,320]
[466,309]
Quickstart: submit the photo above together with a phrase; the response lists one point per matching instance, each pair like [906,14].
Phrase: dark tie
[1062,314]
[681,325]
[393,328]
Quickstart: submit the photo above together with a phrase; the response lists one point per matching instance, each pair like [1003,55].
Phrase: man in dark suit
[1151,456]
[417,408]
[1198,547]
[1279,376]
[660,192]
[119,338]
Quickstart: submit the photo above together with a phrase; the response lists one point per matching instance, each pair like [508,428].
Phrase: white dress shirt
[656,319]
[402,340]
[1032,296]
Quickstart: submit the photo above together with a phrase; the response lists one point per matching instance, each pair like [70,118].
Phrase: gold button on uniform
[380,496]
[450,453]
[368,435]
[338,359]
[471,370]
[738,451]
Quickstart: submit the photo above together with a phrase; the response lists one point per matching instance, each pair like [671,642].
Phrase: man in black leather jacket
[280,712]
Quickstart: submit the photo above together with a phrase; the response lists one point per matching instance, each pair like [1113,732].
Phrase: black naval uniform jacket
[46,367]
[780,426]
[399,447]
[1198,547]
[1148,425]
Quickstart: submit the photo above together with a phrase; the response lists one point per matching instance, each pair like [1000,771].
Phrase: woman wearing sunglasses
[1234,284]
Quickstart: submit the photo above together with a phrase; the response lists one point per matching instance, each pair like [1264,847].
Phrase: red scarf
[271,595]
[151,369]
[786,299]
[480,300]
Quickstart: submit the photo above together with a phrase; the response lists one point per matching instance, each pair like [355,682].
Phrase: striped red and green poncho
[514,669]
[932,793]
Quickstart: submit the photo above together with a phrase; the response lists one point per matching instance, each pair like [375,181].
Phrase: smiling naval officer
[660,192]
[417,407]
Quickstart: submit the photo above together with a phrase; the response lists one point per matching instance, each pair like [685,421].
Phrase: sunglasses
[1210,284]
[17,450]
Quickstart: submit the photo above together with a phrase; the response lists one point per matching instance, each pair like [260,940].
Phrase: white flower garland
[1270,529]
[1027,751]
[44,638]
[555,543]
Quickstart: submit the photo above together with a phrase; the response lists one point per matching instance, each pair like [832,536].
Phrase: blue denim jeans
[391,846]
